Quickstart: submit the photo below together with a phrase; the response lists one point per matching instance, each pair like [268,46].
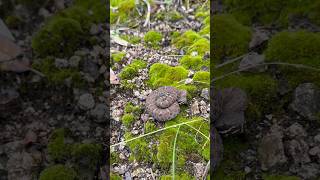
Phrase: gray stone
[74,61]
[309,171]
[205,93]
[99,113]
[258,38]
[298,150]
[61,63]
[317,139]
[296,130]
[86,101]
[270,150]
[306,101]
[252,60]
[195,108]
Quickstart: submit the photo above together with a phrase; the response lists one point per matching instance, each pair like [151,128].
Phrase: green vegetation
[203,77]
[127,120]
[115,177]
[131,39]
[182,176]
[125,9]
[153,38]
[56,75]
[86,155]
[149,127]
[186,39]
[58,149]
[60,37]
[132,113]
[300,47]
[191,62]
[132,69]
[58,172]
[117,57]
[230,38]
[130,108]
[174,16]
[162,74]
[201,46]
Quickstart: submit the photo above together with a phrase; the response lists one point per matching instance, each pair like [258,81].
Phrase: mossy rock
[229,37]
[299,47]
[58,172]
[58,149]
[86,155]
[192,62]
[60,37]
[153,38]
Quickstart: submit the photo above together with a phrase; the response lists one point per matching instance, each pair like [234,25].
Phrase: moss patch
[56,172]
[58,149]
[86,155]
[191,62]
[132,69]
[153,38]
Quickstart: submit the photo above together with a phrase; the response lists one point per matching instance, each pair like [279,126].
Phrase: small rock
[315,151]
[30,137]
[247,170]
[258,38]
[61,63]
[99,113]
[252,60]
[309,171]
[298,149]
[270,150]
[74,61]
[205,93]
[188,81]
[317,139]
[307,101]
[86,101]
[296,130]
[195,108]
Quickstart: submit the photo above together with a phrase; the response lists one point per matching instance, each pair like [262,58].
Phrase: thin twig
[230,61]
[205,173]
[147,21]
[174,154]
[263,64]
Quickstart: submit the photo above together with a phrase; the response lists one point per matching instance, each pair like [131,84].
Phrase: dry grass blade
[147,21]
[174,154]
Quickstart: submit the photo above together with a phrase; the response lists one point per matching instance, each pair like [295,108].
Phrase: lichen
[58,172]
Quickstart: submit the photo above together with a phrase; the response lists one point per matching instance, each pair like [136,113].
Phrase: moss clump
[56,75]
[126,84]
[201,46]
[125,9]
[186,143]
[205,30]
[140,149]
[230,38]
[153,38]
[58,172]
[149,127]
[58,149]
[203,77]
[279,177]
[191,62]
[174,16]
[183,176]
[296,48]
[131,38]
[162,74]
[127,120]
[95,10]
[60,37]
[132,69]
[261,89]
[115,177]
[86,155]
[186,39]
[117,57]
[135,110]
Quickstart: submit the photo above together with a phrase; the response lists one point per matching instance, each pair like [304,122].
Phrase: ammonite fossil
[163,103]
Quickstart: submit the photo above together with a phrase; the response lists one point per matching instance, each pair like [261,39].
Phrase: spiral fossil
[163,103]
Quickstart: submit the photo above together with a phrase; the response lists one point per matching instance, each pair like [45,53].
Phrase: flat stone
[86,101]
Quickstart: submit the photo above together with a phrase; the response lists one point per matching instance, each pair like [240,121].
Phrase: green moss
[58,172]
[60,37]
[201,46]
[132,69]
[153,38]
[149,127]
[183,176]
[269,11]
[186,39]
[296,48]
[140,149]
[135,110]
[13,22]
[117,57]
[231,39]
[125,84]
[260,88]
[202,14]
[203,77]
[174,16]
[279,177]
[58,149]
[115,177]
[87,155]
[162,74]
[56,75]
[131,38]
[95,9]
[188,142]
[114,158]
[205,30]
[127,120]
[231,168]
[191,62]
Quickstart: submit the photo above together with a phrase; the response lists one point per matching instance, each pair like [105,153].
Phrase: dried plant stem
[174,154]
